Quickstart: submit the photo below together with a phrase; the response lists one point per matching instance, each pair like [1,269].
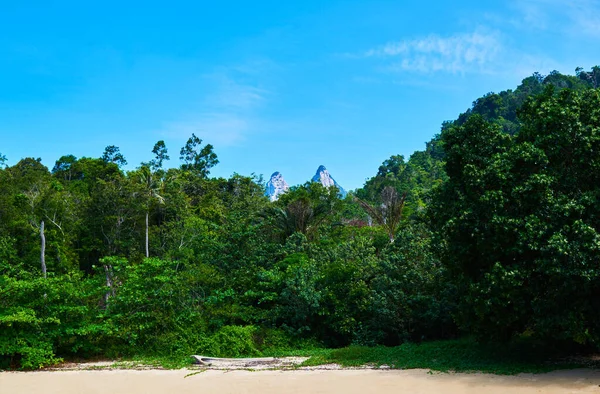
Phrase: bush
[231,341]
[42,319]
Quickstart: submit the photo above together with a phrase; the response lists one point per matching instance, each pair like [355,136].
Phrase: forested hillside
[491,231]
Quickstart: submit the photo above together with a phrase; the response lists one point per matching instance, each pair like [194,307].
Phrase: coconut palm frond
[390,213]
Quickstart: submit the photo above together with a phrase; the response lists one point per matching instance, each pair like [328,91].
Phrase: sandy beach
[300,381]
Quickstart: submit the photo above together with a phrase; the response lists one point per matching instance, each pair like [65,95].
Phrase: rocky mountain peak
[276,186]
[324,178]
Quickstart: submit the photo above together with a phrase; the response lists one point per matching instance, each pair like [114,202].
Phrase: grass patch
[312,352]
[462,355]
[157,362]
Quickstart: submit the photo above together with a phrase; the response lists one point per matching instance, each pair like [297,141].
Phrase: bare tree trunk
[43,252]
[147,252]
[109,284]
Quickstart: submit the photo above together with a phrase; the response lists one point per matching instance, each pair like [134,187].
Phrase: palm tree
[389,213]
[151,189]
[300,215]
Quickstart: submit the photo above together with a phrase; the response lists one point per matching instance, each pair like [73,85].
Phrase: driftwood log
[237,361]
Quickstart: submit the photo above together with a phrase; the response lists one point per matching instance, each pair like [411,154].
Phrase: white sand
[315,381]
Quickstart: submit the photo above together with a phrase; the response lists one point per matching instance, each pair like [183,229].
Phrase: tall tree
[37,199]
[150,190]
[304,209]
[160,156]
[198,160]
[112,154]
[43,248]
[64,167]
[592,77]
[390,213]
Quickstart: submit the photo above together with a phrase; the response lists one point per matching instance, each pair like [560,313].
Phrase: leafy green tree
[196,159]
[292,292]
[304,209]
[592,77]
[82,189]
[112,217]
[112,154]
[171,320]
[411,300]
[64,167]
[415,178]
[517,220]
[160,156]
[41,319]
[33,200]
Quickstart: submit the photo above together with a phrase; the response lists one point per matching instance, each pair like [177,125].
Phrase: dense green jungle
[488,238]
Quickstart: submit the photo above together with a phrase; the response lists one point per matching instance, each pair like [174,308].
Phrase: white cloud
[233,95]
[227,114]
[585,15]
[576,17]
[219,129]
[527,37]
[458,53]
[482,52]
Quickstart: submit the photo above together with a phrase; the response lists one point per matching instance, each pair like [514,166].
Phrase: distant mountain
[324,178]
[276,186]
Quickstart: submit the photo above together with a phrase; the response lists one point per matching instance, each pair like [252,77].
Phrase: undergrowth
[462,355]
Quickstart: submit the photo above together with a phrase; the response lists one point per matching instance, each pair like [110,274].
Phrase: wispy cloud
[227,114]
[575,17]
[458,53]
[233,95]
[585,15]
[480,52]
[219,129]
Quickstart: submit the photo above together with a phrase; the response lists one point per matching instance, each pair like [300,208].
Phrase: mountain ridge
[277,185]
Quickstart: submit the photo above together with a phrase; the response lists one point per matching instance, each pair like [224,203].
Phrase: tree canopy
[492,231]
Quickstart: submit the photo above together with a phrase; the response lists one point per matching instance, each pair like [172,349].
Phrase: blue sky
[273,85]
